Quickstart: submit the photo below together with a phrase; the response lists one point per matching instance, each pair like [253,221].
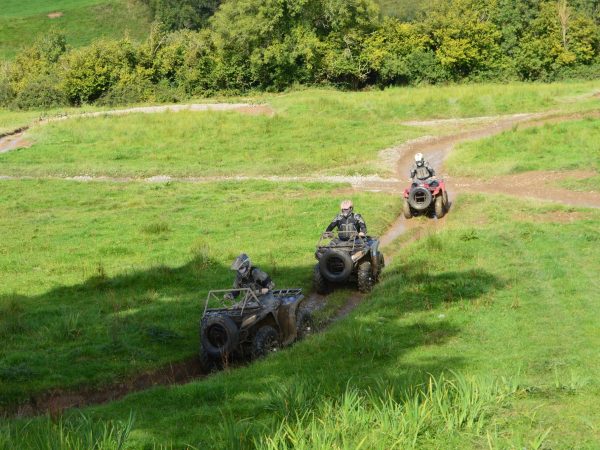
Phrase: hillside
[478,335]
[80,20]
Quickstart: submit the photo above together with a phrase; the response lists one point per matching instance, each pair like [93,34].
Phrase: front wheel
[207,363]
[406,210]
[439,207]
[365,277]
[265,341]
[320,284]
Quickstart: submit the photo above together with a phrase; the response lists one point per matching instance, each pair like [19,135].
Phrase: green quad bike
[353,260]
[252,326]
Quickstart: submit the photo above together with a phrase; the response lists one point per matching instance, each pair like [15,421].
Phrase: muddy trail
[436,149]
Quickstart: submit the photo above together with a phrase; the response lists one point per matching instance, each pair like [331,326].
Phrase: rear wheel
[320,284]
[446,205]
[365,277]
[406,210]
[439,207]
[265,341]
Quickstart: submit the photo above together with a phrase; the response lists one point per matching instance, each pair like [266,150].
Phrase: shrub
[41,92]
[91,71]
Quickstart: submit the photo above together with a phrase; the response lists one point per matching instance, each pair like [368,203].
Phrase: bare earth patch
[55,15]
[539,185]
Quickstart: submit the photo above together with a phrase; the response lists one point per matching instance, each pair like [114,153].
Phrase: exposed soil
[536,185]
[56,401]
[436,149]
[55,15]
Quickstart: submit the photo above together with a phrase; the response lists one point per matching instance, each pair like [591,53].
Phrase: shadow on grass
[108,328]
[374,349]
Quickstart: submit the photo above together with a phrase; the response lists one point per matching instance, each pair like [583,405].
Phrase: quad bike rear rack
[249,299]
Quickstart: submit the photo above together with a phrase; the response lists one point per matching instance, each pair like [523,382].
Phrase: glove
[361,234]
[264,291]
[228,296]
[328,234]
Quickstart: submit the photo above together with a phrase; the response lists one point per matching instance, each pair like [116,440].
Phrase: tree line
[241,45]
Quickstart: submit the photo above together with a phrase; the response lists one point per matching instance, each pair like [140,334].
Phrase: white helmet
[419,158]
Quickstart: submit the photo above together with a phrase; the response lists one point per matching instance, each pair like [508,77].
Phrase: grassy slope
[565,146]
[82,21]
[100,280]
[314,131]
[486,296]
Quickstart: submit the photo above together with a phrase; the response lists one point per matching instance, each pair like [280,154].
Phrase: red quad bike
[425,197]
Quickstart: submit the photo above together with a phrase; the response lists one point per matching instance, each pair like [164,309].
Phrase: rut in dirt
[435,149]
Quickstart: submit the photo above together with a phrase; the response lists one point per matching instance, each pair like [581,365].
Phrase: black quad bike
[357,260]
[426,197]
[252,325]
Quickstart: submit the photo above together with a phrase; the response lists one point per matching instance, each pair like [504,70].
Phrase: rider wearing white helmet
[421,170]
[347,222]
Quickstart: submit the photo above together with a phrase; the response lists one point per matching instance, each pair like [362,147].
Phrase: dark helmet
[241,264]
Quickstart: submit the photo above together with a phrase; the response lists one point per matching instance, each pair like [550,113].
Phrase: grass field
[485,302]
[110,277]
[81,21]
[313,132]
[482,334]
[566,146]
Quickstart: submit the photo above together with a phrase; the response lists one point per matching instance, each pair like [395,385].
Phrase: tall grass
[76,433]
[373,420]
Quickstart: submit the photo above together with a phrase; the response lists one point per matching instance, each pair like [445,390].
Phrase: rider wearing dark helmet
[248,276]
[421,170]
[347,222]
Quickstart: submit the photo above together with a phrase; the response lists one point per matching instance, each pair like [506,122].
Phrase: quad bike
[425,197]
[251,326]
[355,259]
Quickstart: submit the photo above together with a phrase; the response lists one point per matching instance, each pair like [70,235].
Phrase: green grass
[314,131]
[484,301]
[565,146]
[82,21]
[104,280]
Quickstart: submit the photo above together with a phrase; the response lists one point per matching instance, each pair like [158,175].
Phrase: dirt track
[535,185]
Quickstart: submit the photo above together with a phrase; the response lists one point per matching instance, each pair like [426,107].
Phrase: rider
[421,170]
[347,222]
[248,276]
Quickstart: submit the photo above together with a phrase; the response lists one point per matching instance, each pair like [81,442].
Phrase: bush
[92,71]
[40,92]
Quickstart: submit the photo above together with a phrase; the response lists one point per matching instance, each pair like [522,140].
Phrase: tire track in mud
[435,148]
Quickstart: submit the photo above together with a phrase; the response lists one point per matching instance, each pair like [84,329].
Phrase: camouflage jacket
[347,225]
[422,172]
[255,280]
